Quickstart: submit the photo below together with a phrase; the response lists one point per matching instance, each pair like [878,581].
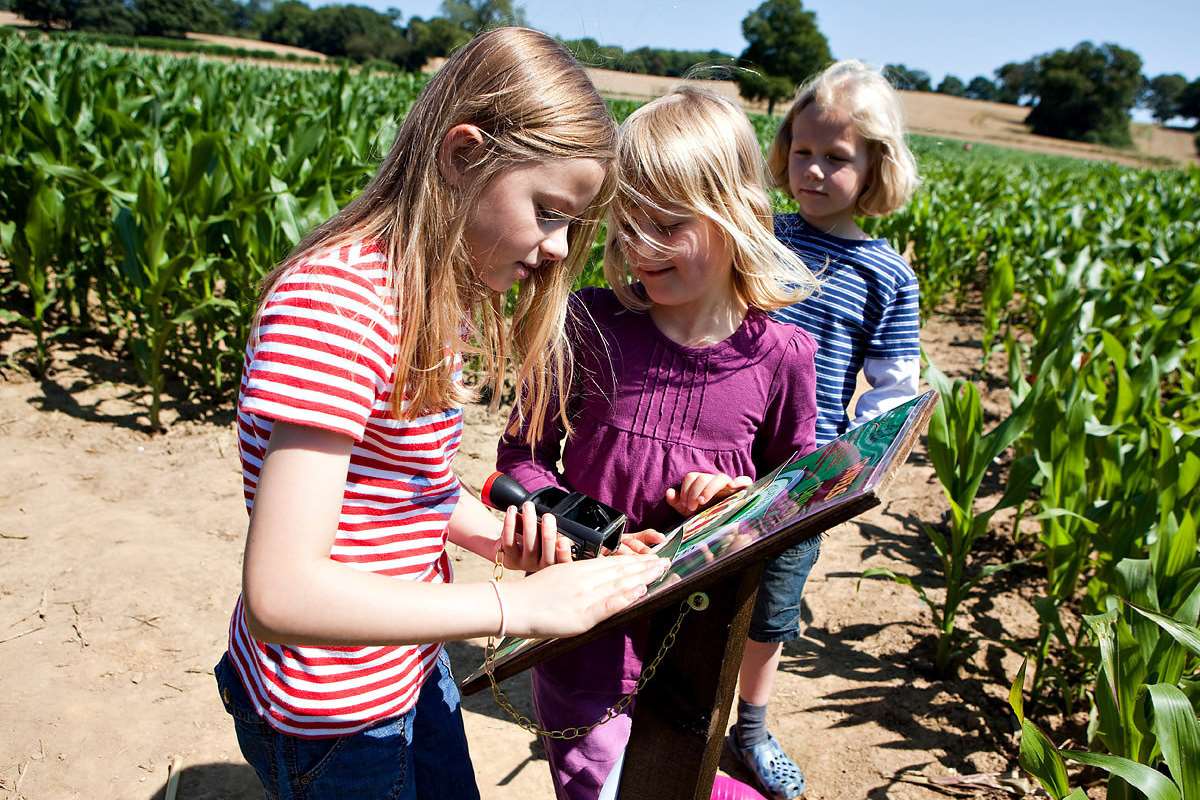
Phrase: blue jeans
[417,756]
[776,616]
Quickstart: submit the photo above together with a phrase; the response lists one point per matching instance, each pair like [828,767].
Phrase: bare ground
[119,564]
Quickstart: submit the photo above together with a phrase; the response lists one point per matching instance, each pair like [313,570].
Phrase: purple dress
[645,412]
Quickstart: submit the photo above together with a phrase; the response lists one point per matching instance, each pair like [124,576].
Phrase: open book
[802,498]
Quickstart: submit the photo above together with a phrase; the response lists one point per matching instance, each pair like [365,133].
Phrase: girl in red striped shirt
[349,414]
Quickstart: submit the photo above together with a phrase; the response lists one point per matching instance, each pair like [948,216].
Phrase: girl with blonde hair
[685,391]
[841,154]
[349,416]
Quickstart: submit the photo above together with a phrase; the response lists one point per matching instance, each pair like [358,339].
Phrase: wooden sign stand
[680,715]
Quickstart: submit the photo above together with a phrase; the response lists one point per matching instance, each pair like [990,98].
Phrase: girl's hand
[698,489]
[568,599]
[638,543]
[535,549]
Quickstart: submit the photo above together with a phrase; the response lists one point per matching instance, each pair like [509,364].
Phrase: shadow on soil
[465,658]
[81,365]
[891,681]
[216,782]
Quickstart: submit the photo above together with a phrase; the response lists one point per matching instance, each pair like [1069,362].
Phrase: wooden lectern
[717,558]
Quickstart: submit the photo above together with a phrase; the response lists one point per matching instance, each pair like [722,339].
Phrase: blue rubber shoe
[774,771]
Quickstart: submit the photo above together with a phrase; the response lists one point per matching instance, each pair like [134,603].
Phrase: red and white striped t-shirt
[323,354]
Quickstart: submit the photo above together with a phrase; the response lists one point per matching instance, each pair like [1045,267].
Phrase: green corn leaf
[1058,513]
[903,580]
[1102,628]
[1041,759]
[1150,782]
[200,160]
[1186,635]
[936,539]
[1178,734]
[1135,582]
[1181,551]
[43,226]
[1016,693]
[993,569]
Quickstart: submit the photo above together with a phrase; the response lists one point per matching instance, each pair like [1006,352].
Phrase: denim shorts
[421,754]
[776,616]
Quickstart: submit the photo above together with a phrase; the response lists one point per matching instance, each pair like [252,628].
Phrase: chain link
[698,601]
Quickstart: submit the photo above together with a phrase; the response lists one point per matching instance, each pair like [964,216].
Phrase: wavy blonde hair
[533,102]
[695,151]
[852,87]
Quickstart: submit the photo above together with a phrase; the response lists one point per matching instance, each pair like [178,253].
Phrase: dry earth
[119,563]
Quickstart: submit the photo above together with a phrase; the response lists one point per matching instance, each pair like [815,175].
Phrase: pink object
[727,788]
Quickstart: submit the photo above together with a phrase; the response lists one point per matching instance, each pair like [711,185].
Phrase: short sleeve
[898,334]
[322,352]
[790,422]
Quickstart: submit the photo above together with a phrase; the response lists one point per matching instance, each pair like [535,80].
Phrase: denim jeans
[776,616]
[421,755]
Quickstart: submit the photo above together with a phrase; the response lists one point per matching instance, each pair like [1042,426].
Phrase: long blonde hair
[866,96]
[532,102]
[695,151]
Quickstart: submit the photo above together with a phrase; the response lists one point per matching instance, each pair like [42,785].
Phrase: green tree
[242,17]
[109,16]
[1017,81]
[912,80]
[1160,95]
[1086,93]
[953,86]
[330,30]
[756,86]
[45,12]
[434,38]
[1189,102]
[784,42]
[286,23]
[175,17]
[981,88]
[474,16]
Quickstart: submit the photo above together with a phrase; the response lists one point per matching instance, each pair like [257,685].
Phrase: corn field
[143,198]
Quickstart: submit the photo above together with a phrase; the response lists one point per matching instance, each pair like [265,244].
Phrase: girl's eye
[550,215]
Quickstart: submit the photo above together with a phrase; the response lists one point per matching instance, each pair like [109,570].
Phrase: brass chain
[697,601]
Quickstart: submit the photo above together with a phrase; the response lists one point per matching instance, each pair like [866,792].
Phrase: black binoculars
[591,526]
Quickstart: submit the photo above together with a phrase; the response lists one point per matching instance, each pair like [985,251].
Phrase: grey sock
[751,725]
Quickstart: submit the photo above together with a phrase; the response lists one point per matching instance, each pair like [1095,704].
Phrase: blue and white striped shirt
[865,317]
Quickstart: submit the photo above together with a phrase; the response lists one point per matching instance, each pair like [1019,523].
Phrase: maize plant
[962,454]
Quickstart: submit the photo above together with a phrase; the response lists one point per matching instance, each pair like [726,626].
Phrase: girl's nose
[555,246]
[814,171]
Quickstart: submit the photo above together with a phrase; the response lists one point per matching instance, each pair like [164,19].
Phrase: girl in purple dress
[685,389]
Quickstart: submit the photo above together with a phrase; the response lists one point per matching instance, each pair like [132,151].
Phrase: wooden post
[680,716]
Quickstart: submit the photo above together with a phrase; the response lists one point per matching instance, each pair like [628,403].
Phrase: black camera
[589,524]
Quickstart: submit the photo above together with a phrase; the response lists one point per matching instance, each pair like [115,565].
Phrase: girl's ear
[456,155]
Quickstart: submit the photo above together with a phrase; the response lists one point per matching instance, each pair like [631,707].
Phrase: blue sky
[966,38]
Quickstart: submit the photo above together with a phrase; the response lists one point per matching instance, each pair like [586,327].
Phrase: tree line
[1085,92]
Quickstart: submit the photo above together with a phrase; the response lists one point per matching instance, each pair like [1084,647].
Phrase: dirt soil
[119,564]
